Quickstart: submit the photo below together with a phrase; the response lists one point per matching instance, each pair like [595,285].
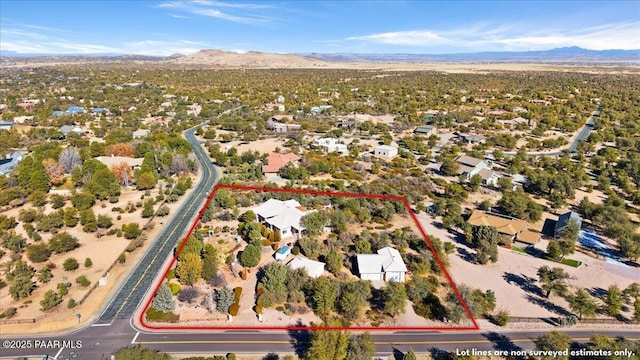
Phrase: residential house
[314,269]
[21,119]
[282,253]
[3,107]
[386,265]
[66,129]
[472,138]
[277,161]
[496,113]
[386,151]
[110,161]
[72,110]
[194,109]
[25,105]
[6,126]
[284,217]
[274,124]
[515,229]
[563,221]
[426,130]
[329,145]
[10,163]
[140,133]
[319,109]
[273,107]
[471,166]
[100,110]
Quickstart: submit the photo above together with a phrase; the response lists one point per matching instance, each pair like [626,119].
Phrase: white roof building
[284,216]
[314,268]
[386,265]
[140,133]
[330,145]
[386,151]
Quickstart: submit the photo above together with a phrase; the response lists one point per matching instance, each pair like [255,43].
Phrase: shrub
[122,258]
[83,281]
[63,289]
[188,294]
[237,292]
[134,244]
[71,304]
[233,309]
[295,250]
[159,316]
[50,300]
[171,274]
[163,211]
[88,263]
[38,253]
[175,288]
[131,230]
[259,306]
[63,242]
[9,313]
[70,264]
[231,356]
[502,318]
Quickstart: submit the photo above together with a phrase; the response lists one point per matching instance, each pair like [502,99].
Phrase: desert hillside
[251,59]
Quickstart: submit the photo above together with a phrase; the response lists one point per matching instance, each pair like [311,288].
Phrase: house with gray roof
[386,265]
[10,163]
[563,221]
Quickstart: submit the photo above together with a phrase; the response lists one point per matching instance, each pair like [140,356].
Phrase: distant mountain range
[254,59]
[559,54]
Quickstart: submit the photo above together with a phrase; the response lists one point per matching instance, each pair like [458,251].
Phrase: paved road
[127,299]
[99,342]
[582,136]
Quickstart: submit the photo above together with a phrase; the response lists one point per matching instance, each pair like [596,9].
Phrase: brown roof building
[516,229]
[277,161]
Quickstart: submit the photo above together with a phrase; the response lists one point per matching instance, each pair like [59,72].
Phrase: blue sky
[430,27]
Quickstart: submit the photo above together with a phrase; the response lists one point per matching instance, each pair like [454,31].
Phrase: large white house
[386,265]
[329,145]
[386,151]
[313,268]
[282,216]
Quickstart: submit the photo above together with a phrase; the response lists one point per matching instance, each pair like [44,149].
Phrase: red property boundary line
[300,328]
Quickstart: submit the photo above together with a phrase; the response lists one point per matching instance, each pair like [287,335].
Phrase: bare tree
[123,172]
[179,165]
[69,159]
[208,302]
[55,171]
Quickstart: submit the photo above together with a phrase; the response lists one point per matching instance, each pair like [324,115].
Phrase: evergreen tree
[361,347]
[224,299]
[582,303]
[613,301]
[163,300]
[209,262]
[394,298]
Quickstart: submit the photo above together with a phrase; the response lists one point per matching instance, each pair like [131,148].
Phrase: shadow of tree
[598,292]
[300,339]
[466,255]
[501,342]
[525,282]
[548,305]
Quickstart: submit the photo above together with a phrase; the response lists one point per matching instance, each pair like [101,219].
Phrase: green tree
[224,299]
[315,222]
[552,280]
[328,345]
[88,263]
[250,256]
[145,181]
[147,211]
[361,347]
[50,300]
[70,264]
[63,242]
[334,261]
[353,299]
[485,239]
[582,303]
[131,230]
[22,286]
[103,184]
[394,298]
[518,204]
[38,253]
[70,217]
[163,300]
[209,262]
[613,301]
[553,341]
[323,294]
[189,269]
[83,200]
[409,355]
[636,311]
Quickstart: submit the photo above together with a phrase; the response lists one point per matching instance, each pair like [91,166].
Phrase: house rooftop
[504,224]
[277,161]
[529,237]
[387,259]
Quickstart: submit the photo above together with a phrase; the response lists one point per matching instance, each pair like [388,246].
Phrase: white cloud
[483,37]
[243,13]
